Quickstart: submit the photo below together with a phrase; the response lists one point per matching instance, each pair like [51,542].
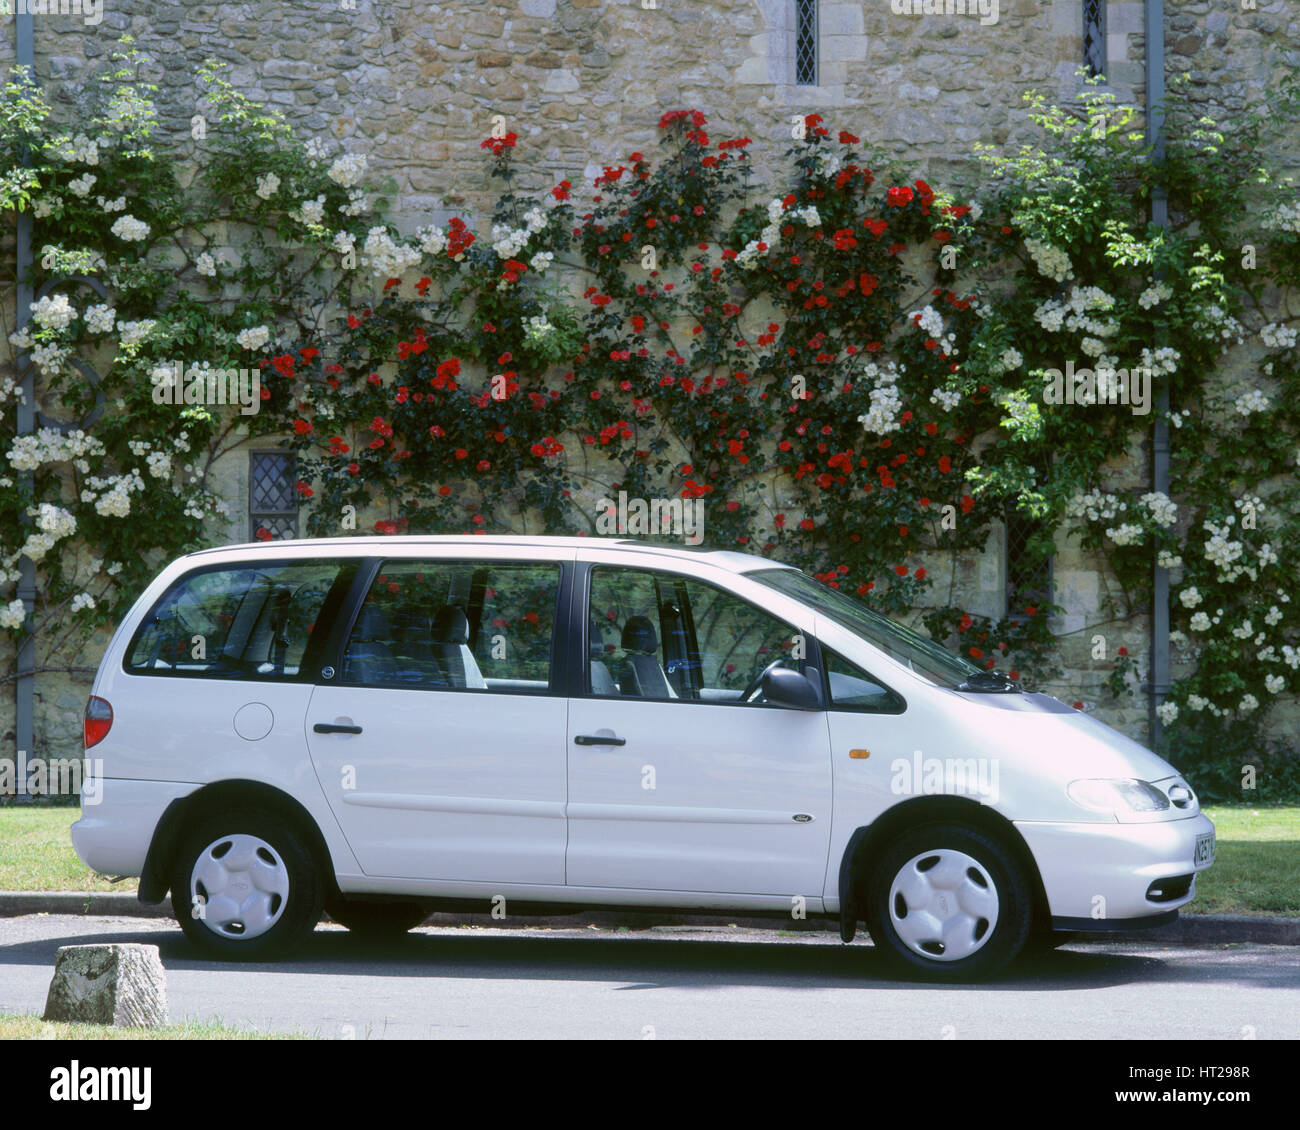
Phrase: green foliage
[852,373]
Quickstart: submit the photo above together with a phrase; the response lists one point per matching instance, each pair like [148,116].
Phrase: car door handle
[335,728]
[596,739]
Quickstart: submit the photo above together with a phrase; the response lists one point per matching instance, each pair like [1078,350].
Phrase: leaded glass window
[272,495]
[1094,37]
[805,42]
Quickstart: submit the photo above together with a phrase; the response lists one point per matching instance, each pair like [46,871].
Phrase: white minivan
[385,727]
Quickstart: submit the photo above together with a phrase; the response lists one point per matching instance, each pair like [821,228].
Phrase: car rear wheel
[245,887]
[376,919]
[950,903]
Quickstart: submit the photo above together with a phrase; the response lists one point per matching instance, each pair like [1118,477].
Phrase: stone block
[561,82]
[121,985]
[844,48]
[840,19]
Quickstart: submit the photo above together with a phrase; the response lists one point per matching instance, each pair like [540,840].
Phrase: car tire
[376,919]
[946,902]
[245,887]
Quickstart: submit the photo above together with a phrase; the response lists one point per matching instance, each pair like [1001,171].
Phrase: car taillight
[98,720]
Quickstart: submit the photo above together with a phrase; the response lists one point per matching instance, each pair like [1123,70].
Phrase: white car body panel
[475,794]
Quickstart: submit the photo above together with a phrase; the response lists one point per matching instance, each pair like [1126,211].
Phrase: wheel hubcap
[241,884]
[943,905]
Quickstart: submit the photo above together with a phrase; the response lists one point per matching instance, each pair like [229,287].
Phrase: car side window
[456,625]
[627,653]
[661,636]
[250,622]
[735,642]
[851,688]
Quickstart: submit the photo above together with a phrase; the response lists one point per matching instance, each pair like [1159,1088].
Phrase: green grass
[36,853]
[1257,870]
[1257,864]
[27,1027]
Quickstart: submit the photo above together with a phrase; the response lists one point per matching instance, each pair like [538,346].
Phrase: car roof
[380,546]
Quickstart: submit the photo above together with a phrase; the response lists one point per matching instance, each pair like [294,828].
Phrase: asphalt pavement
[681,983]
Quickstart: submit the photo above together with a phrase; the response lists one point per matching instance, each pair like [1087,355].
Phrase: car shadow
[646,962]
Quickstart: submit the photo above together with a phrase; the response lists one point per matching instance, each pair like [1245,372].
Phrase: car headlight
[1117,795]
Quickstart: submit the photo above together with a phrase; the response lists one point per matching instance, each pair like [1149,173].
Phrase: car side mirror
[783,687]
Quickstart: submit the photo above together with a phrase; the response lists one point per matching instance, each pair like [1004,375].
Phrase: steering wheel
[748,693]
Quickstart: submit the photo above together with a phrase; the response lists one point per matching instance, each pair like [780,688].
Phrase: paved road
[675,983]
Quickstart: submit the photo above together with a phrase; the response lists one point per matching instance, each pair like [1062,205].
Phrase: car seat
[639,673]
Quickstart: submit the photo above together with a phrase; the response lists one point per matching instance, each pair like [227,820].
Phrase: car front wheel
[950,903]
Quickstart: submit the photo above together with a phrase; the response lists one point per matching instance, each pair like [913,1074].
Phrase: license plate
[1204,850]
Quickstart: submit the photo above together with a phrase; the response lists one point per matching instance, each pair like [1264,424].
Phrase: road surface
[680,983]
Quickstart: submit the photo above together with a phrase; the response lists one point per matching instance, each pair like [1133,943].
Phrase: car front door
[439,738]
[680,777]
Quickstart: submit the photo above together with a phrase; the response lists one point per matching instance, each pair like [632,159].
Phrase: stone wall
[414,86]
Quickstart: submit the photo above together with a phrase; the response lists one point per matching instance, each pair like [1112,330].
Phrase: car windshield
[900,643]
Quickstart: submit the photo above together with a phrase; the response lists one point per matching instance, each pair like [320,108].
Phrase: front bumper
[1109,873]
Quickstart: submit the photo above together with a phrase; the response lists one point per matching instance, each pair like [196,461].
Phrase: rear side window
[245,622]
[456,625]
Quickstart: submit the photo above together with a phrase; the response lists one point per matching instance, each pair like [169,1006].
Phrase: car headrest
[451,625]
[639,635]
[411,625]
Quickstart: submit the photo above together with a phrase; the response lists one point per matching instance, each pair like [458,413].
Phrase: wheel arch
[869,840]
[182,813]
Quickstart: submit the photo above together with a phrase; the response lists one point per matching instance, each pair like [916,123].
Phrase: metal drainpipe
[1158,684]
[25,685]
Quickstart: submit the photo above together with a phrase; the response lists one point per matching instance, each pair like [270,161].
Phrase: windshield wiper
[990,682]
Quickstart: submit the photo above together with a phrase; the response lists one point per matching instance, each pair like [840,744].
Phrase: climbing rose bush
[849,371]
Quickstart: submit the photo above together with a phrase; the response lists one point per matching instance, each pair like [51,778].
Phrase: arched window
[805,43]
[1094,37]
